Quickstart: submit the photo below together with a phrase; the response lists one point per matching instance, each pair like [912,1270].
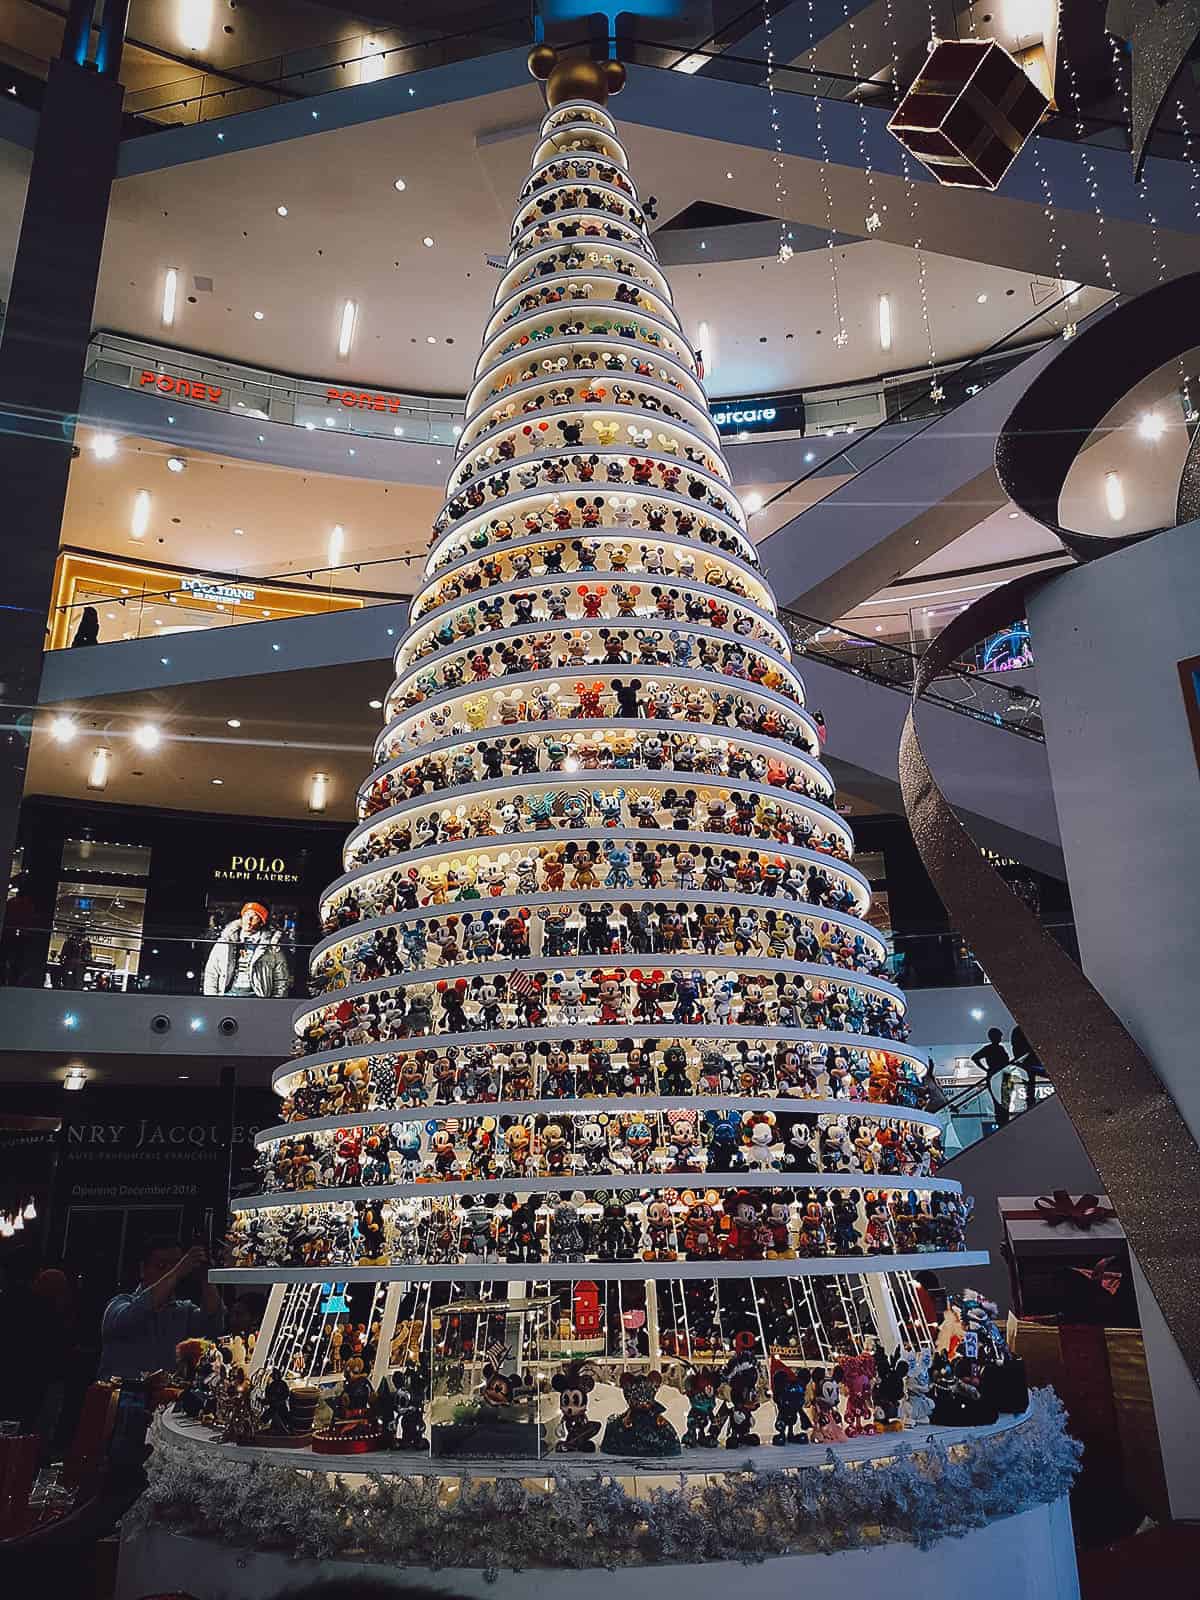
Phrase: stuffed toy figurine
[642,1429]
[576,1430]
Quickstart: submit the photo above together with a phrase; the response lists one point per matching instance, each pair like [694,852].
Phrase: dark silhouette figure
[995,1060]
[88,631]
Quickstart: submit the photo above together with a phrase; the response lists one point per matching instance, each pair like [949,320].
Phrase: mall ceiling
[349,234]
[291,724]
[224,514]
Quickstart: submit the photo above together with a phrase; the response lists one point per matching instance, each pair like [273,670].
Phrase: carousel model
[604,1140]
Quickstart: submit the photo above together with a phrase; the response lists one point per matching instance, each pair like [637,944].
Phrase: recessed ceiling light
[239,531]
[1114,495]
[63,729]
[346,328]
[147,737]
[752,501]
[398,432]
[176,464]
[729,174]
[1013,515]
[104,446]
[375,705]
[331,422]
[400,185]
[259,315]
[170,291]
[810,455]
[234,722]
[981,299]
[1151,425]
[140,520]
[885,322]
[427,241]
[281,211]
[431,338]
[97,777]
[218,781]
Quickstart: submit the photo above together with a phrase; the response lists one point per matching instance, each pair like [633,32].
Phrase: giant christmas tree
[604,1131]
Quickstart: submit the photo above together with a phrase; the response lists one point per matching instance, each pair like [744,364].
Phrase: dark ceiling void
[707,214]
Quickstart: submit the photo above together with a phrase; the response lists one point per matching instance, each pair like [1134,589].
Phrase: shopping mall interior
[757,1025]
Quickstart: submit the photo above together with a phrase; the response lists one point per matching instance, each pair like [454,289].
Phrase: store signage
[205,589]
[260,869]
[745,417]
[758,414]
[356,399]
[185,388]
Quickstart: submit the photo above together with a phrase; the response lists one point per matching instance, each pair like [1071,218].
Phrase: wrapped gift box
[968,113]
[1100,1376]
[1067,1257]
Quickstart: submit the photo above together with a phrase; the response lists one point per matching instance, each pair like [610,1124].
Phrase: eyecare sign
[754,414]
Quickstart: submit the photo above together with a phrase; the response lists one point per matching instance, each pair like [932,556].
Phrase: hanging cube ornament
[968,113]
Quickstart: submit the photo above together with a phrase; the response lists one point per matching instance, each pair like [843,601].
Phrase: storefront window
[99,912]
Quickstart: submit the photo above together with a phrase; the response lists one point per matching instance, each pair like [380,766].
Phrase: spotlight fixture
[885,322]
[76,1078]
[318,792]
[431,338]
[140,520]
[63,729]
[981,299]
[97,777]
[170,291]
[104,446]
[234,722]
[375,705]
[259,315]
[346,328]
[427,241]
[176,464]
[753,501]
[218,782]
[281,211]
[1151,425]
[400,185]
[195,23]
[1114,496]
[147,737]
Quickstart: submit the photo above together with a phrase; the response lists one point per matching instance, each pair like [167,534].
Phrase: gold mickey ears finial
[575,77]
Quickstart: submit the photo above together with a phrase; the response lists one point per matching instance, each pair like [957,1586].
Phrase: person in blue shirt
[141,1330]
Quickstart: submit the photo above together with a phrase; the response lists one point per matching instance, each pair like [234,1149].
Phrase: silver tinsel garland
[589,1520]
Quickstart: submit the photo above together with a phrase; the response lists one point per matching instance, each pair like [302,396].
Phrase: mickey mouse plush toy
[576,1431]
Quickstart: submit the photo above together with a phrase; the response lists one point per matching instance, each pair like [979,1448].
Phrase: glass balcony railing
[988,697]
[116,954]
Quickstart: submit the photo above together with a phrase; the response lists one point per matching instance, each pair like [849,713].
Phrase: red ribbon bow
[1082,1213]
[1104,1274]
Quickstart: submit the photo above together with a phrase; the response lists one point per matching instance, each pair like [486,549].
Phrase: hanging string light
[785,232]
[874,219]
[840,335]
[1189,160]
[911,202]
[1091,182]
